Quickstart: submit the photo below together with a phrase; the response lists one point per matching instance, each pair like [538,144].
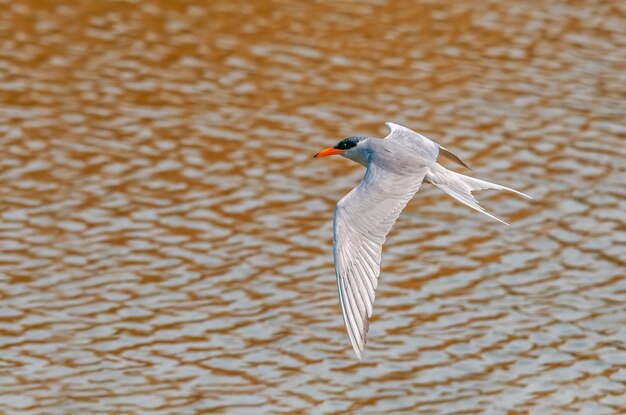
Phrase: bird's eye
[344,145]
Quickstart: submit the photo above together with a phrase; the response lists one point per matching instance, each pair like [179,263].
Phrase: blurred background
[165,235]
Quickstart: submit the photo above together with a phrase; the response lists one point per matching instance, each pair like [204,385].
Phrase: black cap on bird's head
[340,147]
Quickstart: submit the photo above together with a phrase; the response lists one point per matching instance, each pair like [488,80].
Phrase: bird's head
[351,148]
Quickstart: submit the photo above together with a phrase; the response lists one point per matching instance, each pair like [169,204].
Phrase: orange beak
[328,152]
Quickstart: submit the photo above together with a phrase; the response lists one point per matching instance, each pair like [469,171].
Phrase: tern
[396,167]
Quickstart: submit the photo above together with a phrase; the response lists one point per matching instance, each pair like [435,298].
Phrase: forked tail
[461,187]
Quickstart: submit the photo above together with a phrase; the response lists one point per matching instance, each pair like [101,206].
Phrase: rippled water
[165,236]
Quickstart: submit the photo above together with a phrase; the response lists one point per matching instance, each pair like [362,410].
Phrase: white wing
[363,218]
[424,146]
[416,142]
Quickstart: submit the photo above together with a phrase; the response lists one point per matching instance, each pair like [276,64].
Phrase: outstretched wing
[363,218]
[424,146]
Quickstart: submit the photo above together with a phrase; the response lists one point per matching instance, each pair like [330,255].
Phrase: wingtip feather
[450,155]
[358,352]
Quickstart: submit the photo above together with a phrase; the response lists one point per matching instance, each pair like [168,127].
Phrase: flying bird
[396,167]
